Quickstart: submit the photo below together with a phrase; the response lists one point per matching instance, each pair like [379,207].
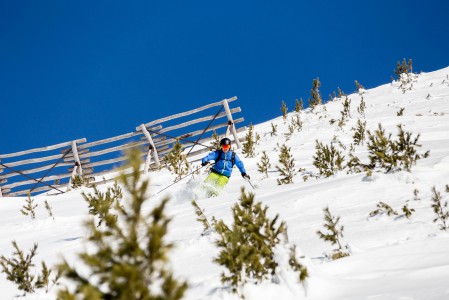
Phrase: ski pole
[247,179]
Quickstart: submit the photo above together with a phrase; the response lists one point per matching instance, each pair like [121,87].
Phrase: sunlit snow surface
[392,257]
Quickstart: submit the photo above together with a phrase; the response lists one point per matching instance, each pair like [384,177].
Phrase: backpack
[220,152]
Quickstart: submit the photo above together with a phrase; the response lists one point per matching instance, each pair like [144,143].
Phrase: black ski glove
[245,176]
[204,163]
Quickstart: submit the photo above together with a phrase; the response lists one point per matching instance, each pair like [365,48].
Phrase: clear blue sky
[96,69]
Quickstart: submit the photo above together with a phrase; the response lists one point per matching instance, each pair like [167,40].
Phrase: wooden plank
[46,179]
[114,139]
[86,171]
[35,170]
[198,132]
[199,120]
[34,160]
[37,190]
[70,155]
[5,192]
[172,117]
[114,149]
[48,148]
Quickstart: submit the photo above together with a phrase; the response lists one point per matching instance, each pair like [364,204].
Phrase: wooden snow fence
[52,168]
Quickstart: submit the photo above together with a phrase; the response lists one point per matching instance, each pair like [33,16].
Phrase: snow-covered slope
[392,257]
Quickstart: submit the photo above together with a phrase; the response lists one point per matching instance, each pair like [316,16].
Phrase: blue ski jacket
[223,162]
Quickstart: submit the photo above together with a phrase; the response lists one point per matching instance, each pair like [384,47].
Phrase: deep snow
[392,257]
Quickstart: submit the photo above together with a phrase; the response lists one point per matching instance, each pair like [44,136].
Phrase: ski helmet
[225,141]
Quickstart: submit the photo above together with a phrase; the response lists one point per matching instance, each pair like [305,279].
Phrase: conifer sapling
[334,234]
[128,259]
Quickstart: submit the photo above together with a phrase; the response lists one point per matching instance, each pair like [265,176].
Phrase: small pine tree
[215,144]
[246,248]
[416,195]
[274,130]
[400,112]
[359,132]
[334,234]
[361,108]
[407,211]
[264,165]
[297,266]
[340,93]
[389,154]
[49,210]
[287,167]
[29,207]
[176,162]
[101,204]
[299,105]
[404,68]
[18,270]
[128,259]
[440,210]
[327,160]
[249,143]
[358,86]
[284,110]
[406,148]
[296,122]
[383,208]
[201,217]
[345,113]
[316,95]
[79,181]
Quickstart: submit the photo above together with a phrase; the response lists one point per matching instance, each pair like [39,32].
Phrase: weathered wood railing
[94,160]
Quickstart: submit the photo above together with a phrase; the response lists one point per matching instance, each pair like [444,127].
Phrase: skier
[225,159]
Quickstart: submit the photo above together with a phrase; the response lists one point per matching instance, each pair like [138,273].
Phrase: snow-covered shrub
[19,270]
[78,181]
[359,132]
[345,113]
[359,88]
[403,68]
[247,247]
[333,235]
[264,165]
[287,167]
[389,154]
[102,204]
[383,208]
[249,143]
[327,160]
[49,210]
[176,161]
[274,129]
[361,108]
[284,110]
[126,260]
[440,209]
[28,209]
[299,105]
[201,217]
[316,95]
[407,211]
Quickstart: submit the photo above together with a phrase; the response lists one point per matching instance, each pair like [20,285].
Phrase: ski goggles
[226,147]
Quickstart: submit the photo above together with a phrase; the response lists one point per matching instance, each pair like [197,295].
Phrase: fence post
[231,123]
[77,169]
[77,158]
[152,150]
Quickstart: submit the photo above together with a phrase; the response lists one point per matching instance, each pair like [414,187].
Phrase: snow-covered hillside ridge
[391,257]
